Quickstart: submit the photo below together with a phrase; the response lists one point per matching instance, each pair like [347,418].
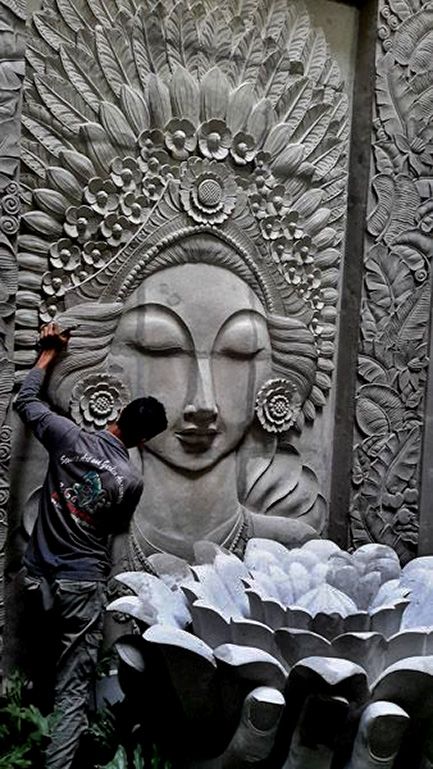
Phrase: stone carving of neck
[185,507]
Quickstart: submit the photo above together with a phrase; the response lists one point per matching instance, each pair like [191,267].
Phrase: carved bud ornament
[144,128]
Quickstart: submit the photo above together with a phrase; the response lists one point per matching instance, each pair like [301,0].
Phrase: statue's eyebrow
[239,315]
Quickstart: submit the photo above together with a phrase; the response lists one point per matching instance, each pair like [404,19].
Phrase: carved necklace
[235,542]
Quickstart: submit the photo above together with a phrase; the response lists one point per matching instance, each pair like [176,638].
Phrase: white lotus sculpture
[337,645]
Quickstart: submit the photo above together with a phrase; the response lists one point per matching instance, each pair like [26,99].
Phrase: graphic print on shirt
[83,499]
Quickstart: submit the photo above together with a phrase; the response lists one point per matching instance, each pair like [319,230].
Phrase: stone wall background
[387,274]
[12,44]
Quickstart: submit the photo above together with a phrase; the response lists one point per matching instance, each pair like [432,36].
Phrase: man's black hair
[141,419]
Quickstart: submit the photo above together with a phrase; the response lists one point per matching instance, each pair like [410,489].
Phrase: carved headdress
[147,124]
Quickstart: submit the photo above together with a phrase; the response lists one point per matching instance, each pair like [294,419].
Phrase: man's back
[90,491]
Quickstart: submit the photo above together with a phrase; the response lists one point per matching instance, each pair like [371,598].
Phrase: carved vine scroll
[396,295]
[12,16]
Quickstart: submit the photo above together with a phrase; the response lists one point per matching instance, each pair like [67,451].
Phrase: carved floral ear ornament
[278,405]
[142,127]
[97,400]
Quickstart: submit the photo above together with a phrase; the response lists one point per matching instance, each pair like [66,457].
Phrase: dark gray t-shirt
[89,493]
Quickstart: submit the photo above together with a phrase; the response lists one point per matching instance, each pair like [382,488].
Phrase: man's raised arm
[50,428]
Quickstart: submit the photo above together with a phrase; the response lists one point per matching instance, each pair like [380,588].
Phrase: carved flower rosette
[208,191]
[278,405]
[98,400]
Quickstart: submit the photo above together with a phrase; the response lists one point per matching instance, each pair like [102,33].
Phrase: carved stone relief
[397,293]
[196,146]
[12,14]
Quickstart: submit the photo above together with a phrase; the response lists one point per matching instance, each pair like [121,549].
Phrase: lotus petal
[296,644]
[327,599]
[322,548]
[209,625]
[179,639]
[327,625]
[252,664]
[387,619]
[213,589]
[369,650]
[248,632]
[409,643]
[389,593]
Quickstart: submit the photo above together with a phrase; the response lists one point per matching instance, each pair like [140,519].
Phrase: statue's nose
[201,405]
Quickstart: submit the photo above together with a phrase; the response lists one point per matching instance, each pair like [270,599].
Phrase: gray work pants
[77,610]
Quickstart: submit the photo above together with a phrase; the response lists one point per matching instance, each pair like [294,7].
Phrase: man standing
[89,493]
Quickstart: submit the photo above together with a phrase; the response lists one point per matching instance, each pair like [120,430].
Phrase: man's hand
[52,341]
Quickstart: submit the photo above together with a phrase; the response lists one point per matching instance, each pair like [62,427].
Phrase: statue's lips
[197,438]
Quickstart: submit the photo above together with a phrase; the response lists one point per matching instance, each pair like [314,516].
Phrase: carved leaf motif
[241,102]
[371,370]
[51,201]
[313,127]
[299,31]
[185,95]
[324,164]
[401,8]
[6,383]
[98,146]
[18,7]
[295,102]
[83,74]
[314,54]
[135,109]
[383,161]
[45,136]
[388,280]
[261,120]
[395,465]
[398,200]
[42,223]
[423,104]
[413,44]
[181,37]
[116,126]
[271,17]
[115,57]
[63,101]
[80,165]
[159,101]
[393,95]
[76,15]
[8,267]
[378,410]
[215,90]
[32,161]
[248,55]
[47,26]
[101,11]
[409,323]
[409,255]
[289,161]
[140,55]
[273,75]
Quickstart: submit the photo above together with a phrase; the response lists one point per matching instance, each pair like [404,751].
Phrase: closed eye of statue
[157,350]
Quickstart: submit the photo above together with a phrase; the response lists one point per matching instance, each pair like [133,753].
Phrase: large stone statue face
[195,336]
